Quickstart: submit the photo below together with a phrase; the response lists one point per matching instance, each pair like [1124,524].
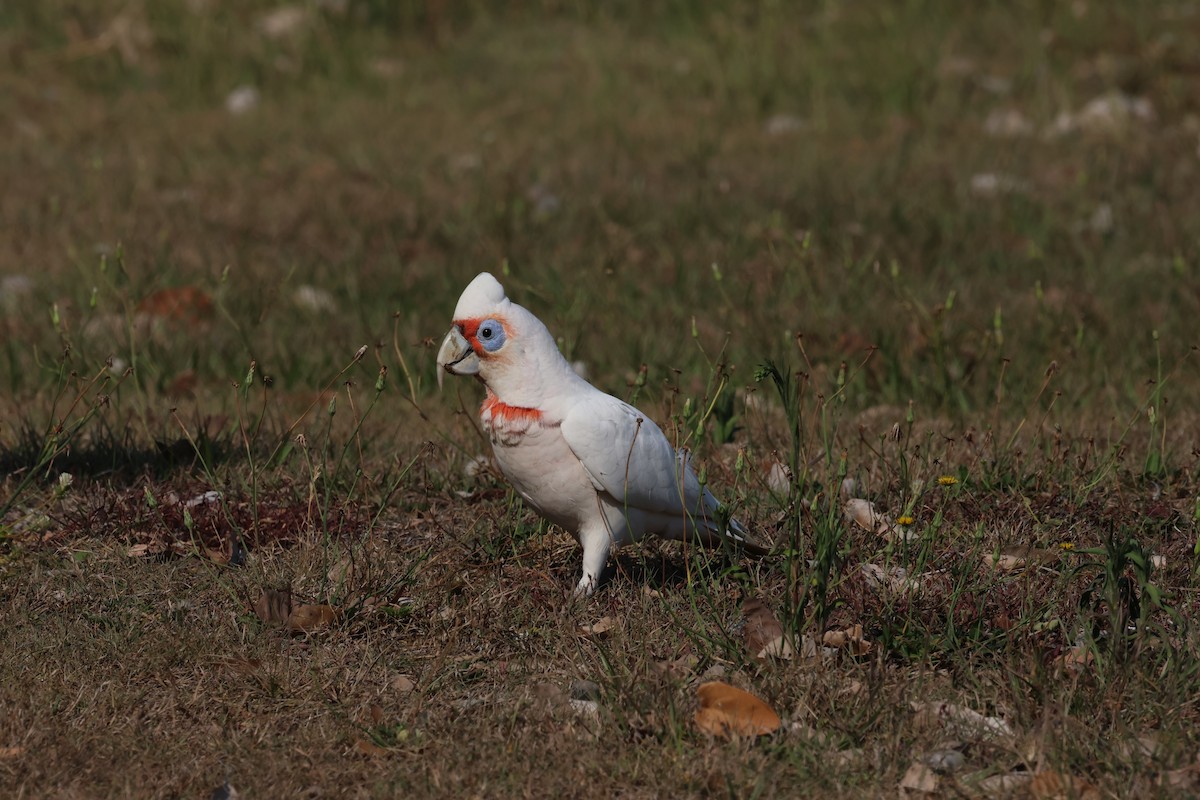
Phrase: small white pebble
[282,21]
[314,299]
[242,99]
[203,499]
[783,124]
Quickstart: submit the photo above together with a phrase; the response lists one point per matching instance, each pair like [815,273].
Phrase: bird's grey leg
[597,543]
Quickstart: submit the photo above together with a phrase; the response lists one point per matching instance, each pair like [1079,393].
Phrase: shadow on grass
[661,570]
[113,456]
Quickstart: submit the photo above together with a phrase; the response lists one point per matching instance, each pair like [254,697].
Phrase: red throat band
[496,414]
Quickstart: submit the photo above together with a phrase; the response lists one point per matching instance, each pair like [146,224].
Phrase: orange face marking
[470,329]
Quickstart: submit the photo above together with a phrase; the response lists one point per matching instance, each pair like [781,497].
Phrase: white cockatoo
[586,461]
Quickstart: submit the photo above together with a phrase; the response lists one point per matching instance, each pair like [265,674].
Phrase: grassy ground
[968,239]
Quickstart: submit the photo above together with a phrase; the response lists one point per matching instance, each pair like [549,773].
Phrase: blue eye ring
[491,335]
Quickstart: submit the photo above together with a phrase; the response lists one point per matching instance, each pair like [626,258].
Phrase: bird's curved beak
[456,356]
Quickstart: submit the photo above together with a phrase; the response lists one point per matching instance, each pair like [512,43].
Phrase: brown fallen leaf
[919,778]
[308,618]
[1003,785]
[784,648]
[893,579]
[1054,786]
[1184,781]
[223,555]
[1076,658]
[1147,747]
[547,694]
[274,607]
[187,304]
[1006,562]
[761,627]
[370,748]
[863,514]
[15,751]
[342,571]
[727,711]
[1011,559]
[599,627]
[681,667]
[958,722]
[848,639]
[403,684]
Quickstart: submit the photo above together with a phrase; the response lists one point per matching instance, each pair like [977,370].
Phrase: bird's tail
[737,533]
[718,528]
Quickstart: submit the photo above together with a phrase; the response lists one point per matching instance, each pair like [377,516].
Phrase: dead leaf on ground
[231,554]
[403,684]
[893,579]
[1185,779]
[947,760]
[1011,559]
[370,748]
[919,778]
[308,618]
[848,639]
[863,514]
[854,758]
[958,722]
[185,304]
[681,667]
[761,628]
[599,627]
[342,571]
[274,606]
[1076,658]
[12,752]
[142,550]
[1002,785]
[589,709]
[783,647]
[1146,747]
[547,694]
[727,711]
[1054,786]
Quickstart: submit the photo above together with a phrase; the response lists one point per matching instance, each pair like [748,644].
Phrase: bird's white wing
[628,456]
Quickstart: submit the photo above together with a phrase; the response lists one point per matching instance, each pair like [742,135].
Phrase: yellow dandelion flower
[905,520]
[947,480]
[1066,545]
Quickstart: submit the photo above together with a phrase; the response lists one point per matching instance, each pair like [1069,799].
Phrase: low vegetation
[917,284]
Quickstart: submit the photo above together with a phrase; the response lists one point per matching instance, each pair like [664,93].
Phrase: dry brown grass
[451,669]
[1027,296]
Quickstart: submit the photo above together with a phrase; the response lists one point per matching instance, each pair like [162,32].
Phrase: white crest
[483,297]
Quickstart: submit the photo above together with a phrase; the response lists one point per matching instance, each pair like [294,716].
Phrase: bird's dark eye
[491,335]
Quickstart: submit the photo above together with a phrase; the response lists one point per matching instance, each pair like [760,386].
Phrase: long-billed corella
[586,461]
